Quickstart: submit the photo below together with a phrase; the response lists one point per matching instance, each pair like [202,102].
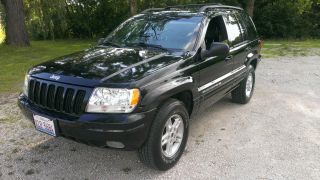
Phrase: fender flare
[252,56]
[157,96]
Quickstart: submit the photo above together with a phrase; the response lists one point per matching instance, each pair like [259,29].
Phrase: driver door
[214,70]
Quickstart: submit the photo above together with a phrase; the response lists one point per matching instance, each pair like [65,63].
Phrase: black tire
[151,152]
[239,95]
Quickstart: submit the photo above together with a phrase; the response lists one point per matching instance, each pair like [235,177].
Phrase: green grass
[291,48]
[14,61]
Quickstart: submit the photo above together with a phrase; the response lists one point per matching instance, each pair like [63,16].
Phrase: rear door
[237,41]
[250,36]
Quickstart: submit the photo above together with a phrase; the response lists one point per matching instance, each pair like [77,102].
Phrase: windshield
[165,31]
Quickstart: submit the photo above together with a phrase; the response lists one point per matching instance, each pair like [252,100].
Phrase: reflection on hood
[124,64]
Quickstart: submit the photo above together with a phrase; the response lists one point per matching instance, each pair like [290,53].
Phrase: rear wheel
[168,136]
[244,92]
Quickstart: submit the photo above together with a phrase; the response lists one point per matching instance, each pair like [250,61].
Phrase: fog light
[115,144]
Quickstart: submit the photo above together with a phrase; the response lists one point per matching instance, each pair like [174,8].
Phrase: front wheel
[244,92]
[168,136]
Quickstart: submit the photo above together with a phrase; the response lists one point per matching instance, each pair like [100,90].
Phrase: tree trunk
[250,7]
[133,7]
[16,31]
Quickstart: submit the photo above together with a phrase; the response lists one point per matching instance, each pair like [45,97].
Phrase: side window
[233,29]
[243,26]
[248,23]
[216,31]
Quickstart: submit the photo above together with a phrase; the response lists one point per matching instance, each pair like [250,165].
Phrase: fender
[253,54]
[158,95]
[252,57]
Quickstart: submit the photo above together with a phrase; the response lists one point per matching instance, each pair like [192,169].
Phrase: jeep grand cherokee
[139,87]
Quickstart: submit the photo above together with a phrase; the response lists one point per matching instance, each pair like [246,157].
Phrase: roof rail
[192,5]
[152,10]
[202,7]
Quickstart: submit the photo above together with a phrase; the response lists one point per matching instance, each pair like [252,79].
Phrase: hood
[105,65]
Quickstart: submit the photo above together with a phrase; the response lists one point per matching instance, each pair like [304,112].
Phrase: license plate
[44,125]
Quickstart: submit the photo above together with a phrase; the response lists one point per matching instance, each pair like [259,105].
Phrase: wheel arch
[254,63]
[183,91]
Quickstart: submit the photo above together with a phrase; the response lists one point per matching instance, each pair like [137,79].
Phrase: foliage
[2,32]
[51,19]
[16,61]
[46,19]
[287,19]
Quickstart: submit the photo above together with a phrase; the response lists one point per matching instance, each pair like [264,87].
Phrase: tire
[240,94]
[152,153]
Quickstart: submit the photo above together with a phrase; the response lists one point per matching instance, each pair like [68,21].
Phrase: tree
[250,7]
[133,7]
[16,31]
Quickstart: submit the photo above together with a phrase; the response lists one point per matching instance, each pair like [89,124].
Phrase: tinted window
[171,31]
[242,26]
[248,23]
[233,29]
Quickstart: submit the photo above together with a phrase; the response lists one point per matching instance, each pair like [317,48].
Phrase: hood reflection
[101,62]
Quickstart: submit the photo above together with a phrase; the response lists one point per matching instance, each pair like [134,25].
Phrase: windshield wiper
[148,45]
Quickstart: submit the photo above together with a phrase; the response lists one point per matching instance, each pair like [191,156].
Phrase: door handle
[229,58]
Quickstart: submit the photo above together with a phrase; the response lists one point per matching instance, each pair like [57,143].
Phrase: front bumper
[101,130]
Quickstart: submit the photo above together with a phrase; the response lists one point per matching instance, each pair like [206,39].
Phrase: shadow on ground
[60,158]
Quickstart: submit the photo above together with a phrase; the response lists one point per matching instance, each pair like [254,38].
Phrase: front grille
[57,97]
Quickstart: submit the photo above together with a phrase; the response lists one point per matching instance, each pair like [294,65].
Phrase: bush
[61,19]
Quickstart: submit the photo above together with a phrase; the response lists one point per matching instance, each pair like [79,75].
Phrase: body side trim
[216,81]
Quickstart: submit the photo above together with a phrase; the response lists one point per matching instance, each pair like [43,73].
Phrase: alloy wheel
[172,136]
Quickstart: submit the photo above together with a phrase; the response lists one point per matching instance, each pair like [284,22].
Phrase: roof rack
[204,8]
[192,5]
[200,7]
[152,10]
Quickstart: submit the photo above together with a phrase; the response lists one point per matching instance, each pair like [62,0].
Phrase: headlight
[26,85]
[109,100]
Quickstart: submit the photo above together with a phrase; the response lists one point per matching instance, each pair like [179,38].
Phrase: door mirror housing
[216,49]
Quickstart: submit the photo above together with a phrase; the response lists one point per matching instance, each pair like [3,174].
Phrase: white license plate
[44,125]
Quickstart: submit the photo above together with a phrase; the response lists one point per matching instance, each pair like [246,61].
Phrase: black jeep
[140,86]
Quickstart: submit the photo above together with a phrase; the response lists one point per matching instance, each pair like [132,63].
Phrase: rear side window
[233,29]
[243,26]
[250,32]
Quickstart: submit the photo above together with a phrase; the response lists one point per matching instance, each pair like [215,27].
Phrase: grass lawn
[278,48]
[14,62]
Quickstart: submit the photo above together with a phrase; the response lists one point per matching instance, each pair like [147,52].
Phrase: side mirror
[216,49]
[100,41]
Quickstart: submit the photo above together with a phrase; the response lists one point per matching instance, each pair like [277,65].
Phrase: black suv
[139,87]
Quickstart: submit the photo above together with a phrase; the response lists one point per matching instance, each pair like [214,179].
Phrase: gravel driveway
[276,136]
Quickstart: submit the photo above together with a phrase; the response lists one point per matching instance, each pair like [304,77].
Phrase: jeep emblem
[54,77]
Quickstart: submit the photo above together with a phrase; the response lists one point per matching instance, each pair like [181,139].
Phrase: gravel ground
[275,136]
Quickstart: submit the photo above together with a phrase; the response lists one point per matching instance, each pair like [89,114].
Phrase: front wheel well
[254,63]
[187,99]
